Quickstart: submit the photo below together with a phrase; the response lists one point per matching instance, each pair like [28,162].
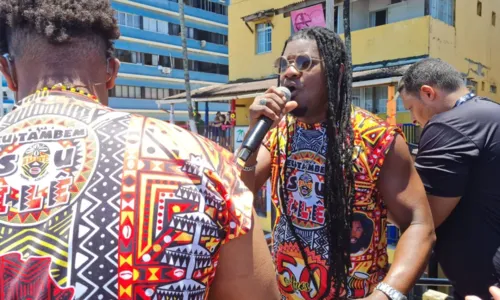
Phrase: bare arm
[275,108]
[256,178]
[404,195]
[245,270]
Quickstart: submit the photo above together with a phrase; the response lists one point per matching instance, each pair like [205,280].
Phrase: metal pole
[172,118]
[192,124]
[330,14]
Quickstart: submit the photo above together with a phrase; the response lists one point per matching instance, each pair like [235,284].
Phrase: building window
[159,26]
[479,8]
[378,18]
[123,55]
[129,20]
[149,24]
[493,18]
[472,85]
[380,99]
[264,38]
[149,59]
[162,27]
[137,57]
[396,1]
[174,29]
[207,5]
[493,89]
[482,86]
[155,25]
[356,97]
[443,10]
[125,91]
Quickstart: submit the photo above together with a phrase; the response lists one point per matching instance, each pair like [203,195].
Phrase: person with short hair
[458,160]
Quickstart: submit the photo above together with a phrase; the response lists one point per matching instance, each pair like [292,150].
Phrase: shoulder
[191,160]
[179,143]
[278,134]
[373,131]
[476,122]
[470,117]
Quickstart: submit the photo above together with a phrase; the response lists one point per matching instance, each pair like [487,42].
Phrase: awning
[251,89]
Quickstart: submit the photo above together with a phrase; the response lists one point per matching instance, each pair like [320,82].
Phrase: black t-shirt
[459,156]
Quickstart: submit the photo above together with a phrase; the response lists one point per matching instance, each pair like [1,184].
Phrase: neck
[29,83]
[313,119]
[451,99]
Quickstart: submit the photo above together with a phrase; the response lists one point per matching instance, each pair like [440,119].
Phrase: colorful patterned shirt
[99,204]
[304,163]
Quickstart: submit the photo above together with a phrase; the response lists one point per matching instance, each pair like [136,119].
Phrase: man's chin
[299,112]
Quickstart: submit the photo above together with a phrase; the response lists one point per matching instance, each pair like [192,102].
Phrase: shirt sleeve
[444,159]
[236,212]
[269,139]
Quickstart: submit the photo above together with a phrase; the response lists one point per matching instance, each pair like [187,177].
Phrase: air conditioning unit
[166,70]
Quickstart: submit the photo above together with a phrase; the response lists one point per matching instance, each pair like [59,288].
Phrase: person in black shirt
[459,162]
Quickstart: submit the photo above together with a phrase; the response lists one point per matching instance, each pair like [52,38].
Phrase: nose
[291,72]
[414,120]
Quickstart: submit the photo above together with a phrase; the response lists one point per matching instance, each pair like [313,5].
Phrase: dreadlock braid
[339,177]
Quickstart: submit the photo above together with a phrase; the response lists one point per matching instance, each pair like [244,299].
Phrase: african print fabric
[304,163]
[98,204]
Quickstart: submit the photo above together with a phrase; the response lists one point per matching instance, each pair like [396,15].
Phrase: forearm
[411,257]
[248,177]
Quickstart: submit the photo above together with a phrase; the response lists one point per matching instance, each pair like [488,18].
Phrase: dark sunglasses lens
[283,65]
[280,65]
[303,62]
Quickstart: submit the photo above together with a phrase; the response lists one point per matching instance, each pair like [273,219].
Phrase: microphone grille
[286,91]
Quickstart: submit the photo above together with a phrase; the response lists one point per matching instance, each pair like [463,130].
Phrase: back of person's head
[57,38]
[433,72]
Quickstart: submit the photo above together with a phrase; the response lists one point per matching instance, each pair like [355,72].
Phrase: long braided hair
[339,177]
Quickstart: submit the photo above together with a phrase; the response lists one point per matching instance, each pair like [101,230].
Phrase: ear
[112,72]
[6,68]
[427,93]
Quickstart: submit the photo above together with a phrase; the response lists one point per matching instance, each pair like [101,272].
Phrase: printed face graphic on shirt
[361,233]
[36,161]
[305,185]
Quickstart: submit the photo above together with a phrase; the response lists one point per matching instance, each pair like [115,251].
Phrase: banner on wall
[308,17]
[239,135]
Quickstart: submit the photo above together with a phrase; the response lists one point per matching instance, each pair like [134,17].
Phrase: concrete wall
[243,60]
[392,41]
[472,43]
[404,39]
[360,12]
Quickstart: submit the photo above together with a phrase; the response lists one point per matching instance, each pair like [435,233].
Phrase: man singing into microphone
[331,164]
[98,204]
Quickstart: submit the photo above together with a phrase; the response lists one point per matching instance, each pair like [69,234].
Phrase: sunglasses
[302,63]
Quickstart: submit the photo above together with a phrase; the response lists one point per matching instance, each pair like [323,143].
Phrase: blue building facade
[151,53]
[6,96]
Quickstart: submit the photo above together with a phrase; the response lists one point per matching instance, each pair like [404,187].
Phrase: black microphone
[255,137]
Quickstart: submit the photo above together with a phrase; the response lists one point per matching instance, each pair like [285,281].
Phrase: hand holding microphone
[265,113]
